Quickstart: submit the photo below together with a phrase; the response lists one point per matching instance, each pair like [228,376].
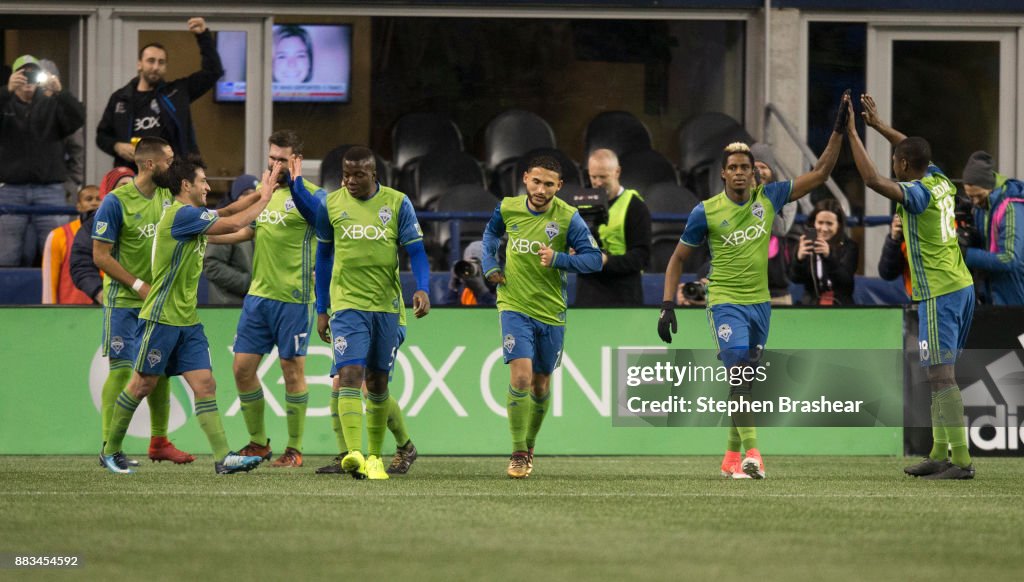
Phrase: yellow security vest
[613,234]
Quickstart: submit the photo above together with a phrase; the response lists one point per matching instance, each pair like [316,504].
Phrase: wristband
[138,285]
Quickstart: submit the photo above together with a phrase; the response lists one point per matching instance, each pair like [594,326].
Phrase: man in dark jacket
[149,106]
[36,115]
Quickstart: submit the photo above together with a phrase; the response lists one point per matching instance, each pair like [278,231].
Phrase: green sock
[377,409]
[336,423]
[252,410]
[160,407]
[744,421]
[748,436]
[295,405]
[537,413]
[124,408]
[396,422]
[350,413]
[518,415]
[951,416]
[209,421]
[734,442]
[940,442]
[117,380]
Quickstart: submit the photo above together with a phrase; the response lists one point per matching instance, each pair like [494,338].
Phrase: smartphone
[810,232]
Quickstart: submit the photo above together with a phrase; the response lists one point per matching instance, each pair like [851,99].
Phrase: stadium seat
[669,198]
[701,140]
[512,134]
[464,198]
[619,131]
[429,178]
[419,134]
[330,169]
[641,170]
[511,177]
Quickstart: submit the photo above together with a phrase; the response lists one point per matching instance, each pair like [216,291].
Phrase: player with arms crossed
[172,339]
[736,224]
[359,230]
[940,281]
[531,294]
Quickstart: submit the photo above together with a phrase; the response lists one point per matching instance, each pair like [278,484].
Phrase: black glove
[666,321]
[843,115]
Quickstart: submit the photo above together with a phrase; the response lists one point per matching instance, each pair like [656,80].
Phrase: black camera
[694,291]
[967,233]
[467,268]
[592,204]
[36,76]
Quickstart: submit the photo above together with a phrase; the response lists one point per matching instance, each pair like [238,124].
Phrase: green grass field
[576,518]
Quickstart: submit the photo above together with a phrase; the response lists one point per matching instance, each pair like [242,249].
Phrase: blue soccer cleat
[116,463]
[235,463]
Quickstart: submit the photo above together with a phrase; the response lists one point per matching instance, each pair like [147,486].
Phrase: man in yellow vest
[625,240]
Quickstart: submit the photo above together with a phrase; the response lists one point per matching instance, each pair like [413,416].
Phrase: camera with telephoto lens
[467,268]
[694,291]
[592,204]
[967,233]
[36,76]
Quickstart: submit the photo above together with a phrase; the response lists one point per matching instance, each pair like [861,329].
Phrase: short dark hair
[916,151]
[545,162]
[152,45]
[286,138]
[737,148]
[359,155]
[183,170]
[149,147]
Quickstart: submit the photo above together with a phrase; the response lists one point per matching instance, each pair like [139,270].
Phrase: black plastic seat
[419,134]
[429,178]
[701,141]
[619,131]
[641,170]
[513,133]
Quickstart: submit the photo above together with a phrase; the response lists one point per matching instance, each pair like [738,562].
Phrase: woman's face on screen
[291,60]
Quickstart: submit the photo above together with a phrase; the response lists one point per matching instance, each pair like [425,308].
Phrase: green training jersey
[366,235]
[738,236]
[177,264]
[128,220]
[928,212]
[283,260]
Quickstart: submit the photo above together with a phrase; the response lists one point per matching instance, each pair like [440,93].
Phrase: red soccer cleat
[731,464]
[161,449]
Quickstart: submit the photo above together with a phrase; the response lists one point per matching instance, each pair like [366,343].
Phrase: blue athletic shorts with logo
[171,350]
[120,333]
[266,323]
[740,330]
[943,324]
[364,338]
[524,337]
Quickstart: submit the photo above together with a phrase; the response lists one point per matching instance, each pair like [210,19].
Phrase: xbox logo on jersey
[182,400]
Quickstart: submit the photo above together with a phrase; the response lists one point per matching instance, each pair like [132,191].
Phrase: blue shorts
[525,337]
[943,323]
[267,322]
[121,333]
[171,350]
[740,330]
[364,338]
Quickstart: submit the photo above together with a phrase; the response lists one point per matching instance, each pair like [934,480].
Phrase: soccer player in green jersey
[359,230]
[278,310]
[532,284]
[122,248]
[173,341]
[940,281]
[736,224]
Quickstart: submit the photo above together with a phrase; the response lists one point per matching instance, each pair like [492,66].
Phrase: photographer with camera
[36,115]
[997,211]
[467,285]
[826,259]
[625,240]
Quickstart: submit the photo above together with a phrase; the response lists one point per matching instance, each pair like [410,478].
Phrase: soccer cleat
[519,465]
[254,450]
[235,463]
[333,469]
[403,459]
[375,468]
[952,472]
[529,461]
[927,466]
[129,462]
[290,458]
[354,464]
[161,449]
[116,463]
[753,465]
[731,465]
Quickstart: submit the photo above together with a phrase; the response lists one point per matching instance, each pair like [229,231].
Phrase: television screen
[310,63]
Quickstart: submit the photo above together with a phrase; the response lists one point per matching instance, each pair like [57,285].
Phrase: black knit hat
[980,170]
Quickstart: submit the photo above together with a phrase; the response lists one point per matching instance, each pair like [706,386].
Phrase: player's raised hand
[547,255]
[496,278]
[842,113]
[269,180]
[322,324]
[851,123]
[667,322]
[197,25]
[420,304]
[294,167]
[870,113]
